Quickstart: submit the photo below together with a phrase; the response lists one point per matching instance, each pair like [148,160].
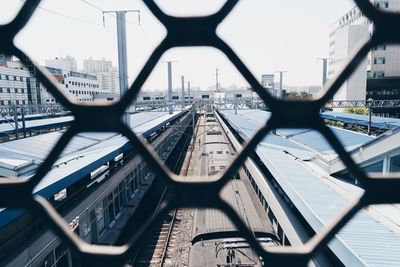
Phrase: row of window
[12,78]
[80,75]
[382,4]
[384,92]
[275,224]
[78,92]
[12,90]
[79,84]
[13,102]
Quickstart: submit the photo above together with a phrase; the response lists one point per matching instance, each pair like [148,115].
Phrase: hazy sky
[267,35]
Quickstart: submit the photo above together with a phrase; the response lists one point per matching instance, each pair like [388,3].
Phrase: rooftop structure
[65,64]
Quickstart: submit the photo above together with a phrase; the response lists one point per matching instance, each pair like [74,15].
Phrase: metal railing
[188,32]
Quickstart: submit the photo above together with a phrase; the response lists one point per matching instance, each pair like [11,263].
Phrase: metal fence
[188,32]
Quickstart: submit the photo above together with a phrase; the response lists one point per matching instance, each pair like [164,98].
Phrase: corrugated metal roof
[363,241]
[305,139]
[36,124]
[85,152]
[377,122]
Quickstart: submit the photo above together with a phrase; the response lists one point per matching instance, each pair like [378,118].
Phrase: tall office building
[346,33]
[91,65]
[66,64]
[382,62]
[107,75]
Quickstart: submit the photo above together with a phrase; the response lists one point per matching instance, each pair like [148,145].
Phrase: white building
[109,81]
[107,75]
[382,61]
[79,87]
[17,86]
[346,34]
[66,64]
[94,66]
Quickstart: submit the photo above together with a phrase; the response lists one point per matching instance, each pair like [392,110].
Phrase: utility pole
[280,92]
[188,85]
[170,107]
[216,79]
[183,91]
[122,58]
[324,69]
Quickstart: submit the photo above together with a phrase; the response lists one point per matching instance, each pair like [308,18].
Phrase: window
[382,4]
[379,74]
[175,97]
[374,167]
[380,47]
[379,60]
[395,164]
[100,215]
[146,98]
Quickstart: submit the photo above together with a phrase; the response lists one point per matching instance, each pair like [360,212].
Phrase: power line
[113,15]
[66,16]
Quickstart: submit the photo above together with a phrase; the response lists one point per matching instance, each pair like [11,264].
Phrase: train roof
[211,221]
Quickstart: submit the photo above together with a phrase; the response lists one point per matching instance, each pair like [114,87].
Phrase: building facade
[382,61]
[107,75]
[77,86]
[346,33]
[66,64]
[18,87]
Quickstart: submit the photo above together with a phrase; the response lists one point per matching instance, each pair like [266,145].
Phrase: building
[18,86]
[79,87]
[384,88]
[66,64]
[382,61]
[346,33]
[107,75]
[109,81]
[267,81]
[91,65]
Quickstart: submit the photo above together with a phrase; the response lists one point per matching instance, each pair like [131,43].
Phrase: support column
[188,84]
[122,60]
[170,108]
[183,91]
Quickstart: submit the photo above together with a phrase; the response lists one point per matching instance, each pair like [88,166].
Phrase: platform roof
[36,124]
[377,122]
[85,152]
[363,241]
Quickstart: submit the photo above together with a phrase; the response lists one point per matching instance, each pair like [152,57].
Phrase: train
[214,234]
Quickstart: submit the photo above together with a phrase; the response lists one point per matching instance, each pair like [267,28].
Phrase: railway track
[159,248]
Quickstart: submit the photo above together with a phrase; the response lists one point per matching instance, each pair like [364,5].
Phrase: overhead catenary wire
[65,16]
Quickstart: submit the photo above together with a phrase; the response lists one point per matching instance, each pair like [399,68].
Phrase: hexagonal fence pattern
[189,32]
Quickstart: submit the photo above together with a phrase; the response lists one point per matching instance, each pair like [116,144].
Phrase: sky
[268,36]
